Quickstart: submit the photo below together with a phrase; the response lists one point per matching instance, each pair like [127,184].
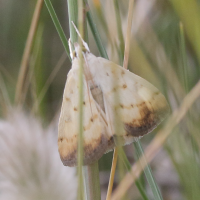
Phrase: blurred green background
[161,52]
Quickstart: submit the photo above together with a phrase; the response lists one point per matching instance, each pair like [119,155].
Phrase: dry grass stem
[125,65]
[29,80]
[27,51]
[128,33]
[112,174]
[157,143]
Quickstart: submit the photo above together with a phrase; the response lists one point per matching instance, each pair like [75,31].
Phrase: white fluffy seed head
[30,167]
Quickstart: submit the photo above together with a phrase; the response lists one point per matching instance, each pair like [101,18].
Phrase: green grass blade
[184,58]
[95,33]
[127,164]
[58,26]
[119,31]
[148,173]
[92,182]
[73,17]
[80,135]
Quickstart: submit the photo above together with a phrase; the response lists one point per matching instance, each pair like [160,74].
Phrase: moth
[111,94]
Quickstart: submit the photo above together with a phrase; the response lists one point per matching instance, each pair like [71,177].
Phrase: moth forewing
[139,108]
[95,139]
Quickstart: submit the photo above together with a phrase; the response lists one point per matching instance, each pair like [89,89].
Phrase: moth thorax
[97,95]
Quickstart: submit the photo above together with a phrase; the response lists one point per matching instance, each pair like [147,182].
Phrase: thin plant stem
[27,51]
[119,31]
[102,19]
[183,56]
[128,33]
[148,172]
[112,174]
[92,182]
[58,26]
[184,75]
[80,135]
[36,51]
[115,155]
[126,54]
[95,32]
[123,156]
[73,17]
[81,93]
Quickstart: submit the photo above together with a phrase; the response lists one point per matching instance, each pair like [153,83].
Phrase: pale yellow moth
[140,108]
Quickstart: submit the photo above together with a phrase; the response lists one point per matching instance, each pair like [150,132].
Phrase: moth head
[82,44]
[80,48]
[75,53]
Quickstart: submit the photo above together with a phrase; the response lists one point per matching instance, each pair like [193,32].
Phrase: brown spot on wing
[88,126]
[122,106]
[123,72]
[124,86]
[114,89]
[92,151]
[67,99]
[142,126]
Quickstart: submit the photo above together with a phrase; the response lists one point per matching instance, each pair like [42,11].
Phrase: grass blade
[95,33]
[148,173]
[92,182]
[128,34]
[119,31]
[73,16]
[58,26]
[27,51]
[127,164]
[184,69]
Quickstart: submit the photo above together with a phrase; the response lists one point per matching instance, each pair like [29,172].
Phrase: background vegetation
[165,50]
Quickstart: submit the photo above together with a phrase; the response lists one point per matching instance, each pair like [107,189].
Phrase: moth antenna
[70,48]
[84,43]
